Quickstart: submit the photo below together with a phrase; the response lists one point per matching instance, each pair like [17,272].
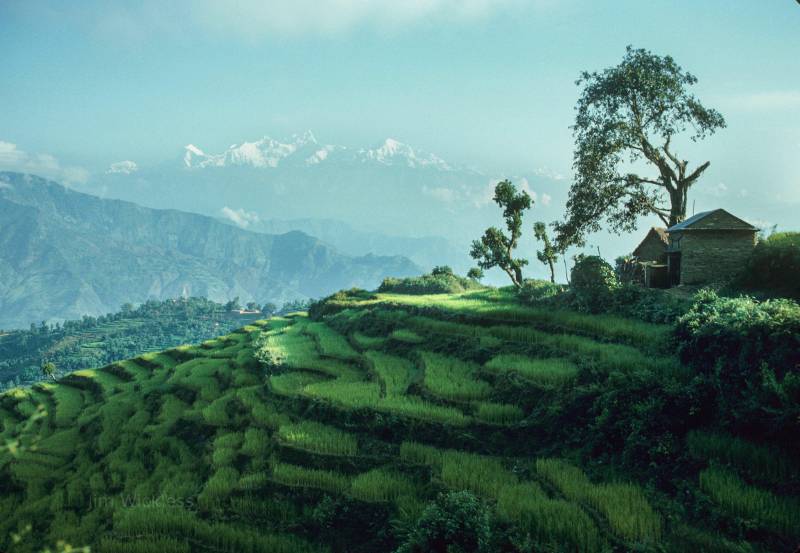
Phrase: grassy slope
[354,422]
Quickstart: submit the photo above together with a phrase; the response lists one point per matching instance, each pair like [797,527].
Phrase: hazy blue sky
[488,83]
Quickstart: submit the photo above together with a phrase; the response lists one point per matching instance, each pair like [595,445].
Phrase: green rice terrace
[341,430]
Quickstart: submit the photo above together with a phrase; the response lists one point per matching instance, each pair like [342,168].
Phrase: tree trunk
[677,197]
[552,271]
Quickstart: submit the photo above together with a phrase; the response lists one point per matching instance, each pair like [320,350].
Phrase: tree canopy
[548,254]
[495,249]
[627,116]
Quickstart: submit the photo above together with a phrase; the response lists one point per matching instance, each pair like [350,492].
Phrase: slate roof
[688,223]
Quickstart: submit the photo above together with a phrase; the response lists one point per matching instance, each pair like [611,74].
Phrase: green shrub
[592,281]
[774,266]
[749,351]
[442,282]
[533,291]
[455,522]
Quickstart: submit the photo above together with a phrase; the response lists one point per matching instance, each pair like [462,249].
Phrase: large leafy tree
[496,249]
[627,116]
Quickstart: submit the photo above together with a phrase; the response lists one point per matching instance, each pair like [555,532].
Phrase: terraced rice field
[295,435]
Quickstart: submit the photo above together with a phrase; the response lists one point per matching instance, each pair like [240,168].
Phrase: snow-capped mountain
[304,149]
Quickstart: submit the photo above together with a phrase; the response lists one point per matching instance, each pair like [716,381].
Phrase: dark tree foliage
[629,114]
[475,273]
[457,522]
[495,249]
[548,254]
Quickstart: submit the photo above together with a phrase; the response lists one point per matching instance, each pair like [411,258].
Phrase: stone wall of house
[714,255]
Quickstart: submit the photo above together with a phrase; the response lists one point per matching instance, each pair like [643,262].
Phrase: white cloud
[546,199]
[124,167]
[12,158]
[771,100]
[240,217]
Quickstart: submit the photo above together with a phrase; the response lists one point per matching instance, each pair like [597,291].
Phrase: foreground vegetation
[388,422]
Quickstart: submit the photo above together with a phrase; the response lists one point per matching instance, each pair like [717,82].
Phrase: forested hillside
[389,422]
[64,254]
[97,341]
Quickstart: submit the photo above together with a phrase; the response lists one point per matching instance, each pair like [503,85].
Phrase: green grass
[302,477]
[623,504]
[451,378]
[69,402]
[381,486]
[554,522]
[544,372]
[318,438]
[364,341]
[763,463]
[768,510]
[395,373]
[414,452]
[497,413]
[481,474]
[331,343]
[406,336]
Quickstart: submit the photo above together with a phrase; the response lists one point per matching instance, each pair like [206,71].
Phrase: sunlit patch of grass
[545,372]
[380,485]
[396,373]
[406,336]
[451,378]
[481,474]
[318,438]
[364,341]
[331,343]
[302,477]
[422,454]
[623,504]
[553,522]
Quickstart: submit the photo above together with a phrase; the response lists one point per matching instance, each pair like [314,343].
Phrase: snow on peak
[304,148]
[394,152]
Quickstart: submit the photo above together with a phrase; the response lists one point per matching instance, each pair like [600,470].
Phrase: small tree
[476,274]
[49,370]
[442,270]
[455,522]
[495,249]
[547,255]
[269,308]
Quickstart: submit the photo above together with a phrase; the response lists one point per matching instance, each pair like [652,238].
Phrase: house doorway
[674,268]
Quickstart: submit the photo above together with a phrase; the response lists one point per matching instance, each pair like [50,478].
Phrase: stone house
[707,247]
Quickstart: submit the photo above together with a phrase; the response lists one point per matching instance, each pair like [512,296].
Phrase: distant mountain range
[389,199]
[64,254]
